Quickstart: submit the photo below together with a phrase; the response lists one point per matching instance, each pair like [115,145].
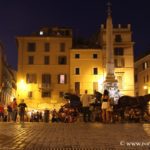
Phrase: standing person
[85,99]
[22,107]
[104,107]
[109,111]
[1,112]
[9,112]
[14,110]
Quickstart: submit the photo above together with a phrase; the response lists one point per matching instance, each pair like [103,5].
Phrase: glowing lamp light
[41,32]
[22,85]
[145,87]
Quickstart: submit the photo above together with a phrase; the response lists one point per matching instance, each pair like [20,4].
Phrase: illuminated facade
[49,64]
[86,70]
[43,66]
[142,76]
[7,79]
[123,57]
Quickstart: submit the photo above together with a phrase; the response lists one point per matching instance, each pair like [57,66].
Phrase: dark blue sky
[20,17]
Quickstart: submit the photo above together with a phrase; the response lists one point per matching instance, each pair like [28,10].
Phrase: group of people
[102,111]
[13,109]
[106,107]
[65,114]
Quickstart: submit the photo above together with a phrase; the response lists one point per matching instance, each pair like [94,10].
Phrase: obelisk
[110,82]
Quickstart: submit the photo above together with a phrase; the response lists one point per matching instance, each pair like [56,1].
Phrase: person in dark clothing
[22,107]
[14,110]
[9,110]
[1,112]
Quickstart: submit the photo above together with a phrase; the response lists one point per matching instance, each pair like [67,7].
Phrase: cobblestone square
[76,136]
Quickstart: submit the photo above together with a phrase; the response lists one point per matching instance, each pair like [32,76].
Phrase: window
[145,65]
[144,79]
[62,60]
[77,71]
[30,94]
[46,60]
[77,55]
[118,38]
[119,62]
[31,47]
[147,78]
[46,94]
[31,60]
[136,78]
[119,51]
[77,87]
[94,56]
[47,47]
[31,78]
[62,79]
[61,94]
[95,71]
[62,47]
[46,78]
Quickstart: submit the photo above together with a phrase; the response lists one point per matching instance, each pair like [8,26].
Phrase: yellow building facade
[123,57]
[43,66]
[142,76]
[49,65]
[88,66]
[86,70]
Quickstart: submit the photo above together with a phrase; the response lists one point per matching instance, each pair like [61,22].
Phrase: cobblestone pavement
[76,136]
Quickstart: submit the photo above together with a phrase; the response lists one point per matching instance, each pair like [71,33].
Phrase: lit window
[62,79]
[145,65]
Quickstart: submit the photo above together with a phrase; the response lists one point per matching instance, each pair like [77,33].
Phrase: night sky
[21,17]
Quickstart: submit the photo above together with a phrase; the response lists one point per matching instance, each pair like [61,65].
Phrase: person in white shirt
[85,100]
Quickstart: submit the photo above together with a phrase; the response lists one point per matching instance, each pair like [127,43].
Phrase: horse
[139,102]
